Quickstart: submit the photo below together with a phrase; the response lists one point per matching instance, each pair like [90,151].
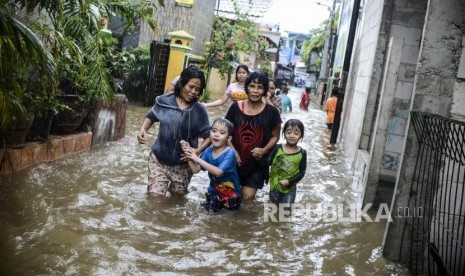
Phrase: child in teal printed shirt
[288,164]
[220,162]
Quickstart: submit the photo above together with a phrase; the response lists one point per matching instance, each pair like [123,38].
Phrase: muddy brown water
[90,215]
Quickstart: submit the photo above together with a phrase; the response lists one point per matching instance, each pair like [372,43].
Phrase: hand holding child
[189,153]
[284,182]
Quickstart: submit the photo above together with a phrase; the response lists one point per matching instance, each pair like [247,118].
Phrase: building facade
[196,20]
[408,57]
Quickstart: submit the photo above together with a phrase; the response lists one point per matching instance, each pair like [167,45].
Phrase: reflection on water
[89,214]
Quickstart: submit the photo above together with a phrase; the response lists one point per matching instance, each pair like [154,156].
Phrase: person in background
[305,99]
[286,102]
[172,84]
[235,91]
[220,162]
[256,131]
[181,117]
[330,107]
[271,97]
[288,164]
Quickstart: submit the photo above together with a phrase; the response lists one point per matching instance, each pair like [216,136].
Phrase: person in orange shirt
[330,107]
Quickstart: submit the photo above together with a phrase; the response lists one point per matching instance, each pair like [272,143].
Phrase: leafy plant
[317,42]
[231,37]
[135,77]
[66,33]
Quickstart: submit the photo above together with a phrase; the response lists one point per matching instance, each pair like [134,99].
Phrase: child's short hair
[225,122]
[308,89]
[294,123]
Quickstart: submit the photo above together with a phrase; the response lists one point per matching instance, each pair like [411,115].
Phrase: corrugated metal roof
[253,8]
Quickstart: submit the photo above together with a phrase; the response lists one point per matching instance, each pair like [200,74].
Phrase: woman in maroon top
[256,131]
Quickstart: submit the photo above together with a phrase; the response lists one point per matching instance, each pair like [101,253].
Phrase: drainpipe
[345,69]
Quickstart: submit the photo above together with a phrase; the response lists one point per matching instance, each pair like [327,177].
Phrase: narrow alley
[90,214]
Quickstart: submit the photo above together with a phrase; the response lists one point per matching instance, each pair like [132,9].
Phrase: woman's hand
[258,153]
[184,145]
[142,136]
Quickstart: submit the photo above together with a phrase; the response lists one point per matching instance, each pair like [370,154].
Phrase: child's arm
[273,154]
[209,167]
[193,166]
[238,158]
[302,168]
[192,157]
[205,143]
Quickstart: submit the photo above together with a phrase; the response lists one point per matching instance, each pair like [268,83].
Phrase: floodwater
[90,215]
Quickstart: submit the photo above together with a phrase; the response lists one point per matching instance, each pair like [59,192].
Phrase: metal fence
[437,194]
[159,58]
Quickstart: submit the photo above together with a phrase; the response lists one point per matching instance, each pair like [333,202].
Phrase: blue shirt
[226,162]
[285,102]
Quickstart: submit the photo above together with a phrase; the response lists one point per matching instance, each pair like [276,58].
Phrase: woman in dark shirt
[256,131]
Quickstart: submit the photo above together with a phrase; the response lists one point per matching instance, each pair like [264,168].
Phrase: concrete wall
[197,21]
[438,88]
[360,77]
[359,87]
[406,20]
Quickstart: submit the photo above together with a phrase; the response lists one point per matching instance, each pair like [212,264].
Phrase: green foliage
[317,42]
[206,96]
[266,67]
[66,46]
[230,38]
[135,78]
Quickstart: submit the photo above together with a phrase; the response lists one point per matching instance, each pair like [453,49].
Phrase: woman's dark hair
[257,77]
[243,66]
[225,122]
[187,74]
[335,91]
[294,123]
[273,81]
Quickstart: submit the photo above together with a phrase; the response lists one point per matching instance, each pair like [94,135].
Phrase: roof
[299,36]
[181,34]
[253,8]
[272,36]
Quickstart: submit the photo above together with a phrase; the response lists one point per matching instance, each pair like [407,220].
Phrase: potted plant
[67,32]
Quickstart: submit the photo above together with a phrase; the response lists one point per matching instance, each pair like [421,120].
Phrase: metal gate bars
[437,193]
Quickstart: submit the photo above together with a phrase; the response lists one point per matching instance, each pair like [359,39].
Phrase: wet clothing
[286,166]
[176,125]
[252,131]
[286,103]
[224,191]
[304,101]
[276,101]
[236,92]
[165,178]
[277,197]
[330,109]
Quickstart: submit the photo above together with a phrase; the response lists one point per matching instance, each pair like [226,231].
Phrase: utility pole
[328,54]
[330,46]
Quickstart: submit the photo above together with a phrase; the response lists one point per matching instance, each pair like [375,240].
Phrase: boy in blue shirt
[286,102]
[220,162]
